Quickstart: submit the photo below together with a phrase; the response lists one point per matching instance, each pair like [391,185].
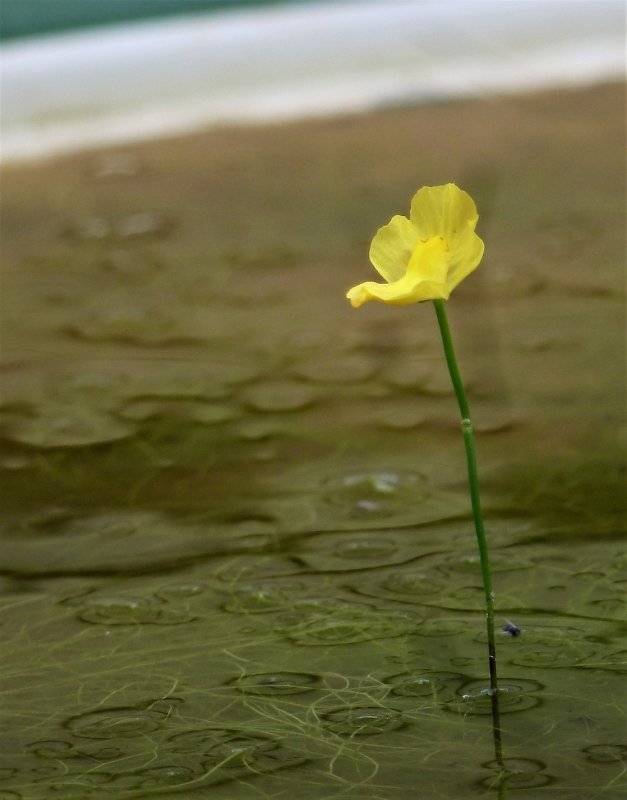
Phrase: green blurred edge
[23,18]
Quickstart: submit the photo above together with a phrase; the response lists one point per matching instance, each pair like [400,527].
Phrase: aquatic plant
[424,257]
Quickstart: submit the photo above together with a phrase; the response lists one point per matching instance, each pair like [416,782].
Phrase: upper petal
[392,247]
[443,211]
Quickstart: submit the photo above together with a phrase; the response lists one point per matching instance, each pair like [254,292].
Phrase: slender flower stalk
[473,482]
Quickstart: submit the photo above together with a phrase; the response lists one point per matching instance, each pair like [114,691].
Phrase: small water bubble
[164,776]
[516,773]
[401,417]
[281,396]
[261,598]
[176,590]
[257,753]
[436,686]
[365,548]
[375,494]
[346,625]
[272,684]
[62,426]
[514,695]
[412,583]
[363,721]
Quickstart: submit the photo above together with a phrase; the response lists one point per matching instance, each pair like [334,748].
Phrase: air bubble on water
[274,684]
[362,721]
[279,396]
[65,426]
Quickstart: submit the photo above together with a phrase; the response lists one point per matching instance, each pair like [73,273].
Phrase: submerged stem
[471,461]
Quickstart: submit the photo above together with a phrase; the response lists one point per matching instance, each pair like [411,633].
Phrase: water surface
[238,559]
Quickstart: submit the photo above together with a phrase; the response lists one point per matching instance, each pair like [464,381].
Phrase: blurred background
[85,72]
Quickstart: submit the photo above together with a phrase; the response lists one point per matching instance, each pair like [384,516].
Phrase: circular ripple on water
[362,721]
[344,552]
[346,625]
[415,586]
[470,564]
[366,547]
[115,723]
[180,590]
[552,647]
[66,426]
[163,776]
[229,748]
[516,773]
[606,753]
[120,610]
[279,396]
[274,684]
[436,686]
[475,697]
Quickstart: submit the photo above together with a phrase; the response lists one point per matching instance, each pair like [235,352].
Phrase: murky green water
[238,555]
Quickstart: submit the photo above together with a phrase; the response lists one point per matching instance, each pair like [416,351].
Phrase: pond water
[238,556]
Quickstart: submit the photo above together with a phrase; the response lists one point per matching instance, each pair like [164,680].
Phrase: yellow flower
[426,256]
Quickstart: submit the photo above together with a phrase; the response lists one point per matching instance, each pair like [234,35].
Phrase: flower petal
[425,279]
[450,212]
[399,293]
[392,247]
[443,211]
[465,257]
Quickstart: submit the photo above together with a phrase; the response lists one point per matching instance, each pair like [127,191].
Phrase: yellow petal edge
[425,256]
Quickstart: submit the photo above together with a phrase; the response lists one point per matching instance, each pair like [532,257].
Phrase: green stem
[473,481]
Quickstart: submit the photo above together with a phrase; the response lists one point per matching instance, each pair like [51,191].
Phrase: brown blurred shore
[234,246]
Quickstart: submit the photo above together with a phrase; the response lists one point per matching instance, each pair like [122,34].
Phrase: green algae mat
[238,558]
